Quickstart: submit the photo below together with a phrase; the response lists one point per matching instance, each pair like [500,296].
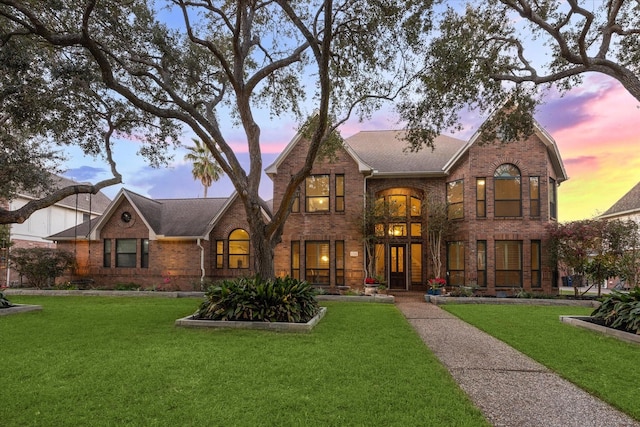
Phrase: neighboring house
[161,244]
[501,196]
[628,207]
[68,212]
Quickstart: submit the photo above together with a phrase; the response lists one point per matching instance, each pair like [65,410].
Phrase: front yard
[121,361]
[602,365]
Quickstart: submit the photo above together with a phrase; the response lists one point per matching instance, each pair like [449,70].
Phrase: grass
[121,361]
[602,365]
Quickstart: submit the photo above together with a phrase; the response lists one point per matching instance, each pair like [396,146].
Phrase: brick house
[501,197]
[165,244]
[627,207]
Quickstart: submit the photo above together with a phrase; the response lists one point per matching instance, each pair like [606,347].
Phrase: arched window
[507,192]
[239,249]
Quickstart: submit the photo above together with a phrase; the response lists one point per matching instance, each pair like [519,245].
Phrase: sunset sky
[594,125]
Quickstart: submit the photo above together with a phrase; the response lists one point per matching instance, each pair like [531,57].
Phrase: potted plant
[436,286]
[370,285]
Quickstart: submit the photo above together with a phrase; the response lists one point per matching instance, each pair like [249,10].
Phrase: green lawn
[604,366]
[121,361]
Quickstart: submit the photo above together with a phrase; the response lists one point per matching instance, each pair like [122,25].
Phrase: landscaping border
[190,322]
[581,323]
[19,308]
[439,300]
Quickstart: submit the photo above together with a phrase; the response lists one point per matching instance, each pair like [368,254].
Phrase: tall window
[455,199]
[317,262]
[455,263]
[507,191]
[416,263]
[534,196]
[239,249]
[339,193]
[219,253]
[508,263]
[553,201]
[126,252]
[482,263]
[397,206]
[144,253]
[106,257]
[481,197]
[416,206]
[295,207]
[536,252]
[317,193]
[295,259]
[339,262]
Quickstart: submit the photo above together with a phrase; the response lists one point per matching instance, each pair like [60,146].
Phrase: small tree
[624,241]
[377,214]
[205,167]
[438,227]
[41,266]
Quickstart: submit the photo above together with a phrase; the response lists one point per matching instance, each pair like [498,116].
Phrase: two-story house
[501,198]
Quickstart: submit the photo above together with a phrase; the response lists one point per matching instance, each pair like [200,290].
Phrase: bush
[254,299]
[41,266]
[4,302]
[621,311]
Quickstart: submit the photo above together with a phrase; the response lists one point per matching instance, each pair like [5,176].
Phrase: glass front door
[397,267]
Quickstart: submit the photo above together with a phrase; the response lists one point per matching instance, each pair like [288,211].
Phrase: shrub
[254,299]
[41,266]
[4,302]
[621,310]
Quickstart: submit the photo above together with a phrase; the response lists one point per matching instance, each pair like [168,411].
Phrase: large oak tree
[220,63]
[501,53]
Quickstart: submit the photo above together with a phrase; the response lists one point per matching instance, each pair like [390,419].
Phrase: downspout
[202,270]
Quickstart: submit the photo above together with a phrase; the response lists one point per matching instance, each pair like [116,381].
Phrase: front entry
[397,267]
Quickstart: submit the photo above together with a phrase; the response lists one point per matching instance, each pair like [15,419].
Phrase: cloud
[86,174]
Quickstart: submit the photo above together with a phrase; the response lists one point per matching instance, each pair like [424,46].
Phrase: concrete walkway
[510,388]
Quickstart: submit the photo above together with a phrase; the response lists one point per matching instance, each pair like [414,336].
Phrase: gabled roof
[628,204]
[385,153]
[95,203]
[165,218]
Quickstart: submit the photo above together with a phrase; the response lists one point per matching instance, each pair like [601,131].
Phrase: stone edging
[19,308]
[189,322]
[439,300]
[379,298]
[579,322]
[95,292]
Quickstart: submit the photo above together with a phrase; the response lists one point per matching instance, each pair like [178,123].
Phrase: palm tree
[205,167]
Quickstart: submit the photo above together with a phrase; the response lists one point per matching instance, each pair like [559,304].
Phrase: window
[397,206]
[397,230]
[416,229]
[416,206]
[86,217]
[455,199]
[482,263]
[481,197]
[239,249]
[219,253]
[339,193]
[455,263]
[553,201]
[126,252]
[507,191]
[295,260]
[106,258]
[416,263]
[295,207]
[379,257]
[536,281]
[317,193]
[534,196]
[317,262]
[508,263]
[339,262]
[144,253]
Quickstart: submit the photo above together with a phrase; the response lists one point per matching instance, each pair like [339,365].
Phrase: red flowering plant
[370,280]
[436,283]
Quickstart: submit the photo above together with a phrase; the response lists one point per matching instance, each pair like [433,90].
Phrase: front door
[397,267]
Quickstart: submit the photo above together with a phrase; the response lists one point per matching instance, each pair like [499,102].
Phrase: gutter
[202,269]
